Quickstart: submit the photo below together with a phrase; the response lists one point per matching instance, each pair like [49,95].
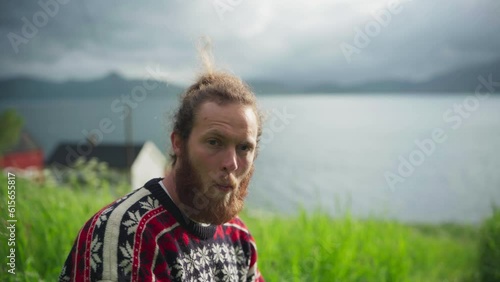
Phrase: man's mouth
[225,187]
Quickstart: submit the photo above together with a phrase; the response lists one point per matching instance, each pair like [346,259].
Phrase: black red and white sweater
[144,237]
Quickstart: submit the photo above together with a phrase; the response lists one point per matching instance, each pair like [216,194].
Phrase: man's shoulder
[106,245]
[129,202]
[125,212]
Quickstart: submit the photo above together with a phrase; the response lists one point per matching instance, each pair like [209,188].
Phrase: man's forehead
[231,115]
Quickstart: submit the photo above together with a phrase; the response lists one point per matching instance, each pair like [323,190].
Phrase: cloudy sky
[343,41]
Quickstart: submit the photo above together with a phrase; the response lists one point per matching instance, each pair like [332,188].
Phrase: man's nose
[230,161]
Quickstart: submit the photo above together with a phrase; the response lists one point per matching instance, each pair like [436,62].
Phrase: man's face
[216,164]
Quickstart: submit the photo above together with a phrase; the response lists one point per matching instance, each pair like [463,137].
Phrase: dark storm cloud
[286,40]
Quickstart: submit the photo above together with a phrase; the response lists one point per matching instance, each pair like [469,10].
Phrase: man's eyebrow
[220,134]
[214,132]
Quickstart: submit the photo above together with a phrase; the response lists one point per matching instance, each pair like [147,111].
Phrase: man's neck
[169,183]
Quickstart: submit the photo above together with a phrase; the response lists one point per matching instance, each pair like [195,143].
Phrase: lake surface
[334,152]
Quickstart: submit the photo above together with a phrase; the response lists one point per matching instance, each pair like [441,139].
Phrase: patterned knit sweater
[145,237]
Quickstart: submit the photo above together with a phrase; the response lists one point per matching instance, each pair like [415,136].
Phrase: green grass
[318,248]
[489,248]
[48,220]
[306,247]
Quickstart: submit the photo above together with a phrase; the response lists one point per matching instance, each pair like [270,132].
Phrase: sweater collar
[199,230]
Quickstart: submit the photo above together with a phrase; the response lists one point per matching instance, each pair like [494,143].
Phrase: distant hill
[462,81]
[261,87]
[112,85]
[459,81]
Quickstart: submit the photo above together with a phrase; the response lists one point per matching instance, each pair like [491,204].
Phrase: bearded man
[184,227]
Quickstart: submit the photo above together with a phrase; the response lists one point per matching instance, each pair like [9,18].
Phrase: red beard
[203,202]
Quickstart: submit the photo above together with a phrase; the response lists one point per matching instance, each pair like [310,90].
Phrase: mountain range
[464,80]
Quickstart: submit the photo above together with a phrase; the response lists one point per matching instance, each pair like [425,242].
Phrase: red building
[25,155]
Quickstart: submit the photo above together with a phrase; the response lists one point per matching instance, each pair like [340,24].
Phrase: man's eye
[213,142]
[245,148]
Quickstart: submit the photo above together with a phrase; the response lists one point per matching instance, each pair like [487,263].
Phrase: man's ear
[176,141]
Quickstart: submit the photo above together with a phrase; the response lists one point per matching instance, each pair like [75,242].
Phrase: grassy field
[306,247]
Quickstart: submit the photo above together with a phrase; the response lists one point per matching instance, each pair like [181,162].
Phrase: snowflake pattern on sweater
[144,237]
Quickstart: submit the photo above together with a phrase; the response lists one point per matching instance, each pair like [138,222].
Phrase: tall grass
[318,248]
[306,247]
[48,220]
[489,248]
